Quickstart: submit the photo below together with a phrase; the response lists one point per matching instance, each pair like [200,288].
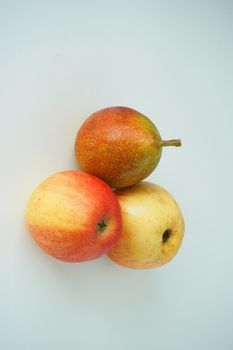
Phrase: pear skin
[120,146]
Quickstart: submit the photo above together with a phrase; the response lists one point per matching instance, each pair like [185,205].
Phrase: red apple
[74,216]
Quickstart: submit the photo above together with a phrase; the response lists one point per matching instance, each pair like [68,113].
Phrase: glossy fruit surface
[153,227]
[74,216]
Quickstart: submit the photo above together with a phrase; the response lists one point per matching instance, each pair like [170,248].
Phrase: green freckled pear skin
[120,146]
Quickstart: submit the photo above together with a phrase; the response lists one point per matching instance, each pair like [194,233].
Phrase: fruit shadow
[100,286]
[110,289]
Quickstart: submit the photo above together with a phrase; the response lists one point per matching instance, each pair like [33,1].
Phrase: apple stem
[166,235]
[101,226]
[176,143]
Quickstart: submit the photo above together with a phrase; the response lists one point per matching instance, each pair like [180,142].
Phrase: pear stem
[176,143]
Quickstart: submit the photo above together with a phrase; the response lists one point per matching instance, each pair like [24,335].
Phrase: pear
[120,146]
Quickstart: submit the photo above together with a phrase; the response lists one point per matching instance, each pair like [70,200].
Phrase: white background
[172,60]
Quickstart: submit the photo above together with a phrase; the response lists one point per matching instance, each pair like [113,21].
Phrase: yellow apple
[153,227]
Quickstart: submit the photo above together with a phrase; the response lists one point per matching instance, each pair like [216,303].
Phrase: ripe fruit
[74,216]
[152,230]
[119,145]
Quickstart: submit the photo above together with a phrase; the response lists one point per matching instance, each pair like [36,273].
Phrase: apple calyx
[101,226]
[166,235]
[176,143]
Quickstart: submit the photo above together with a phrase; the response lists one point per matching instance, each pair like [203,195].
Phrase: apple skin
[119,145]
[74,216]
[153,227]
